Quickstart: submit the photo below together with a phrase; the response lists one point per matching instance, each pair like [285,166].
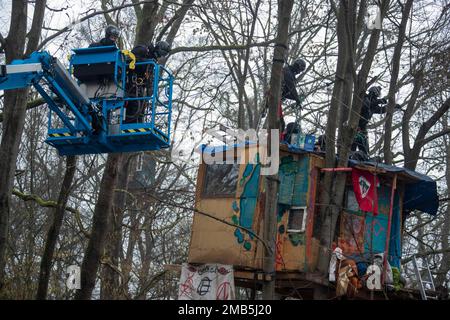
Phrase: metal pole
[388,234]
[375,198]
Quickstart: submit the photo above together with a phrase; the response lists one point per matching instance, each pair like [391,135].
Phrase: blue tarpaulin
[395,247]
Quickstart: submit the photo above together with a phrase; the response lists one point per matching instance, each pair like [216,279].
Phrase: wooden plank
[200,181]
[336,169]
[311,210]
[215,242]
[176,268]
[388,234]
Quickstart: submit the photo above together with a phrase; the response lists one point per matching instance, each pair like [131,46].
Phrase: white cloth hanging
[337,255]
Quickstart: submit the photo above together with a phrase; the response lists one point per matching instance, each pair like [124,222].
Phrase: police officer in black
[160,50]
[140,79]
[371,104]
[289,91]
[112,34]
[289,81]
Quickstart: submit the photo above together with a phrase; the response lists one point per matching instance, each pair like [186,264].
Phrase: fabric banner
[206,282]
[365,190]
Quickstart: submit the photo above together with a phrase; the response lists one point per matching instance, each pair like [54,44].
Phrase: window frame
[303,223]
[219,195]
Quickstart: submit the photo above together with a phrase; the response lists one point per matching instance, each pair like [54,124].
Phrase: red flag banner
[364,186]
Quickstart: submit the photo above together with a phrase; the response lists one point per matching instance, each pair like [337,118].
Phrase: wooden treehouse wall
[360,234]
[235,194]
[214,241]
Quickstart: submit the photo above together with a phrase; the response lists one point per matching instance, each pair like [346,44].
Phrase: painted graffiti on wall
[351,238]
[244,212]
[206,282]
[365,232]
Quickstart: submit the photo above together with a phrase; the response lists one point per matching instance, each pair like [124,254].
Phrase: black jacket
[103,43]
[289,91]
[141,53]
[371,105]
[152,53]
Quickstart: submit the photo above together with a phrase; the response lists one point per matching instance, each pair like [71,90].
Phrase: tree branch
[435,136]
[425,254]
[108,18]
[50,204]
[95,13]
[237,47]
[426,126]
[2,42]
[36,26]
[175,22]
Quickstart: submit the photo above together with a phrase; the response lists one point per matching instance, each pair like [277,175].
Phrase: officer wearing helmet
[155,52]
[139,80]
[160,50]
[289,90]
[289,74]
[371,104]
[112,34]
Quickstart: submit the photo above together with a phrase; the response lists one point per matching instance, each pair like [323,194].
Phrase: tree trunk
[110,277]
[14,111]
[330,132]
[329,220]
[393,83]
[53,232]
[147,18]
[444,268]
[102,213]
[270,214]
[14,115]
[146,23]
[338,109]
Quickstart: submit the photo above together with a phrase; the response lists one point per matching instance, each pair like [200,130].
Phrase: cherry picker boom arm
[42,70]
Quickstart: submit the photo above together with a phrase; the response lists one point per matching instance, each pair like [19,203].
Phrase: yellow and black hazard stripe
[136,130]
[160,136]
[146,130]
[58,135]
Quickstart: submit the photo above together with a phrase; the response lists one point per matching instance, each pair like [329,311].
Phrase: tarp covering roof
[223,148]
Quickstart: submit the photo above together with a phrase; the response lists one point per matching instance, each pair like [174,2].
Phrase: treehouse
[229,220]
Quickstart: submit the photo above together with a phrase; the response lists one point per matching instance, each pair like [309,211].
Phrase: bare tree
[53,232]
[14,108]
[271,181]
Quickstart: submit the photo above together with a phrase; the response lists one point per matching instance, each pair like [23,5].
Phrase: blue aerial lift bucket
[88,104]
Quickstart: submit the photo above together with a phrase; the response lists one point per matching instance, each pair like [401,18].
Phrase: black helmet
[298,65]
[112,31]
[140,51]
[375,90]
[162,48]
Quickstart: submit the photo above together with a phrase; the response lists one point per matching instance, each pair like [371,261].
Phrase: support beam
[388,234]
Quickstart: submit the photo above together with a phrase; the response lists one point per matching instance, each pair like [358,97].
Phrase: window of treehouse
[220,180]
[297,220]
